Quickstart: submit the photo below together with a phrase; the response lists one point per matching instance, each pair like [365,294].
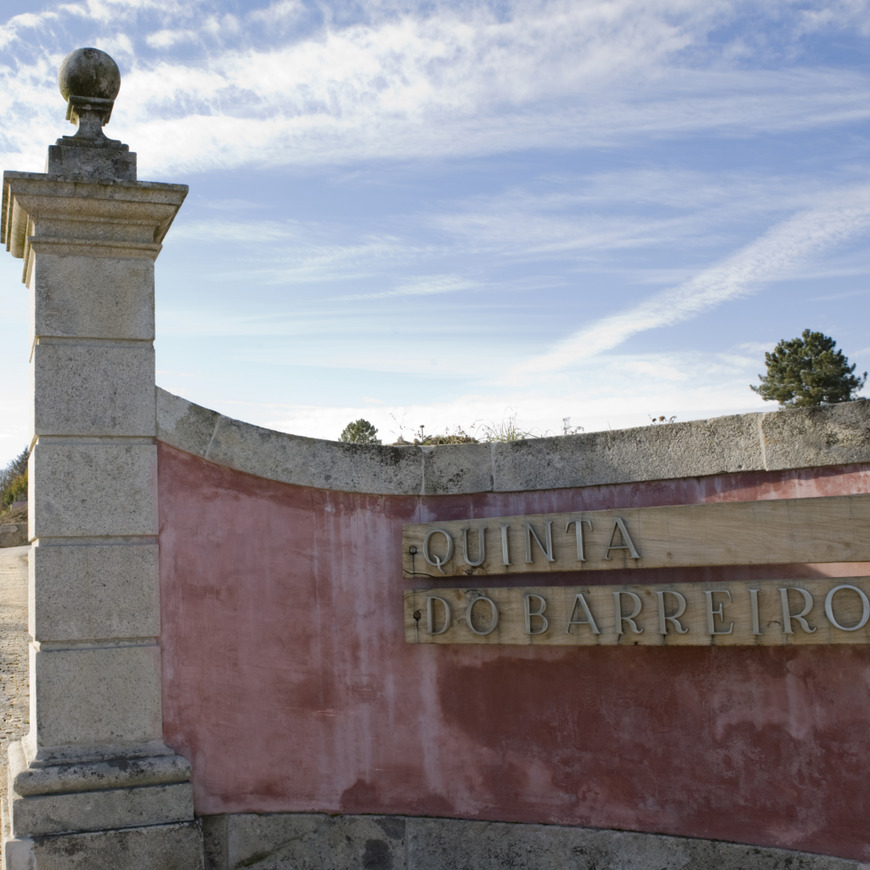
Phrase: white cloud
[200,121]
[282,12]
[119,46]
[169,38]
[221,27]
[30,19]
[26,21]
[453,80]
[118,12]
[835,14]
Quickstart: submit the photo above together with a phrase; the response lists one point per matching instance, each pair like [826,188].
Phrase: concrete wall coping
[765,441]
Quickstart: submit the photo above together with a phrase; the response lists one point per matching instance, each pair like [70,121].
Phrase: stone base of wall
[318,842]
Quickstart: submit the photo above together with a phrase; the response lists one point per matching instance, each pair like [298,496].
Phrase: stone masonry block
[304,840]
[86,388]
[85,697]
[311,462]
[93,488]
[435,844]
[156,847]
[101,810]
[804,437]
[290,458]
[94,591]
[184,425]
[449,469]
[93,297]
[722,445]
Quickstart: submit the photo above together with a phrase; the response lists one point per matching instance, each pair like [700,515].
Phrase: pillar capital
[95,219]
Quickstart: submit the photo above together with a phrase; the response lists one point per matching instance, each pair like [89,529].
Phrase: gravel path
[14,702]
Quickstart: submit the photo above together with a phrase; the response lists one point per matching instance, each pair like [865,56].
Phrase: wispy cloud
[773,256]
[433,285]
[593,218]
[292,252]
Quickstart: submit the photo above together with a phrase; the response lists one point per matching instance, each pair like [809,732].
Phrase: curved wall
[777,441]
[289,686]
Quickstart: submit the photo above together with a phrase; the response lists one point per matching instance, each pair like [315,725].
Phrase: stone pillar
[93,785]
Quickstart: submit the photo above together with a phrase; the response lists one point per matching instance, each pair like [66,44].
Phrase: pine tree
[360,432]
[808,371]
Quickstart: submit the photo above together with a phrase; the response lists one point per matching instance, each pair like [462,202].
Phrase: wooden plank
[785,531]
[765,613]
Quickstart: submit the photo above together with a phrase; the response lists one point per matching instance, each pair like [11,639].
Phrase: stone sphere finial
[89,72]
[89,80]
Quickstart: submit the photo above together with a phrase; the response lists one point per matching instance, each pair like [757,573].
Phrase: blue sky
[454,214]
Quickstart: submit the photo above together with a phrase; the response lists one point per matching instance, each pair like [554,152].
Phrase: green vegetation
[507,430]
[808,371]
[13,480]
[363,432]
[360,432]
[458,436]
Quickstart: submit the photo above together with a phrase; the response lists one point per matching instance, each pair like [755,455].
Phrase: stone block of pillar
[77,295]
[92,488]
[94,388]
[93,702]
[90,589]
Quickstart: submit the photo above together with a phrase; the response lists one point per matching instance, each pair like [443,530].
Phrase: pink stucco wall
[288,684]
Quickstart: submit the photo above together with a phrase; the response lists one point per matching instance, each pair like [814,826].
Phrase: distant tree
[13,479]
[360,432]
[16,491]
[15,467]
[808,371]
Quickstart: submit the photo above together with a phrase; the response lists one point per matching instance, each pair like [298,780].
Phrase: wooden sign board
[784,531]
[766,613]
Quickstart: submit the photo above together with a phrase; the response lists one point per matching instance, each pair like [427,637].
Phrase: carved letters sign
[787,531]
[684,614]
[790,531]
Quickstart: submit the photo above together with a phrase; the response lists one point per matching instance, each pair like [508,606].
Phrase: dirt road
[14,704]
